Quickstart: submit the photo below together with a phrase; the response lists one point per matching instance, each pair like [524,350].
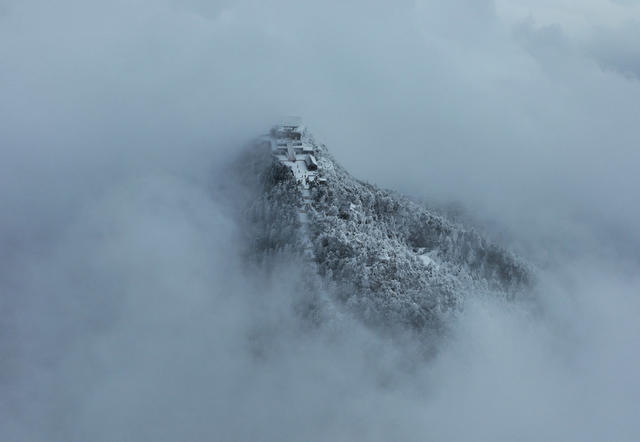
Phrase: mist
[128,311]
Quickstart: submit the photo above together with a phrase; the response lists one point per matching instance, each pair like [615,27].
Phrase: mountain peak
[388,259]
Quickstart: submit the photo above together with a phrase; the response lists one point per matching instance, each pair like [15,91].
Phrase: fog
[127,309]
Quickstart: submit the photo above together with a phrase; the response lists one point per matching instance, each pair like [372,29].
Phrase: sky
[126,309]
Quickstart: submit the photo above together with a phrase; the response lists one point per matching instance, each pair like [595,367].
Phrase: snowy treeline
[396,260]
[269,198]
[389,259]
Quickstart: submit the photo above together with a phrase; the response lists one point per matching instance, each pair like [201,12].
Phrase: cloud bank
[127,311]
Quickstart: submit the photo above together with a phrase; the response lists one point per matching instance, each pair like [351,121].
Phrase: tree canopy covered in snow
[389,260]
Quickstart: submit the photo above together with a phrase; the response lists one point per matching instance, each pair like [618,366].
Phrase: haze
[127,312]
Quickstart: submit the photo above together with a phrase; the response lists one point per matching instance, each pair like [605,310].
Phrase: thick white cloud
[127,313]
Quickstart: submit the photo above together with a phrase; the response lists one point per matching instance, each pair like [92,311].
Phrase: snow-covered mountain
[377,254]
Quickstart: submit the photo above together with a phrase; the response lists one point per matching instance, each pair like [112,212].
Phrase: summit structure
[295,149]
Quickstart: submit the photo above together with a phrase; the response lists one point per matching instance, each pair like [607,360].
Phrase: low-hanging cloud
[127,309]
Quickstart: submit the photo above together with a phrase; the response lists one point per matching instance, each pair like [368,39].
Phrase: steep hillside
[387,259]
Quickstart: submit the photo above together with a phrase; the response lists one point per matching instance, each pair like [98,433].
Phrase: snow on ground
[299,169]
[428,260]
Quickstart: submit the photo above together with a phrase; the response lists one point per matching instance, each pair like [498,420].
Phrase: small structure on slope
[311,162]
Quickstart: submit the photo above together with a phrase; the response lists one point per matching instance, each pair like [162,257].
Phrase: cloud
[617,49]
[128,310]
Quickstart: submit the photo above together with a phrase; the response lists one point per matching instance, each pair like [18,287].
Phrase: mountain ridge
[388,260]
